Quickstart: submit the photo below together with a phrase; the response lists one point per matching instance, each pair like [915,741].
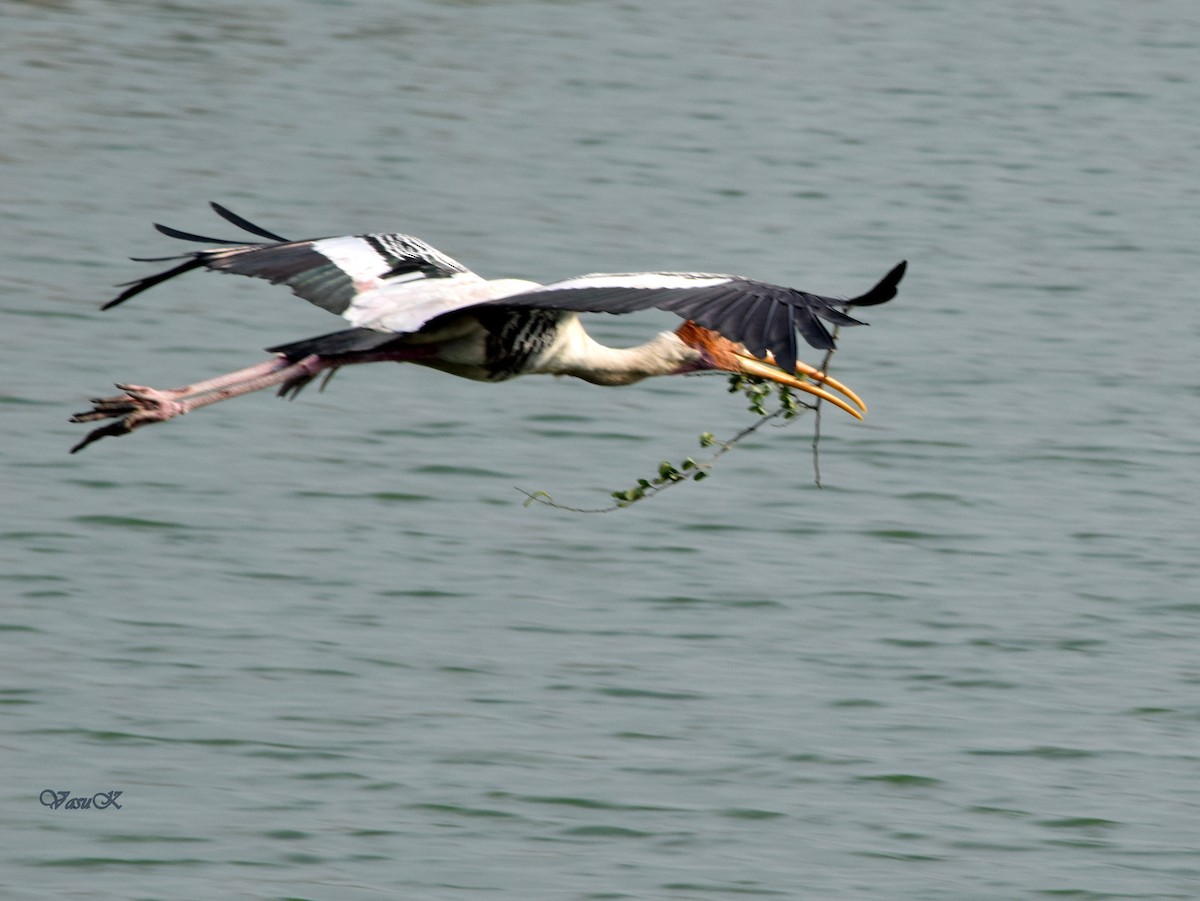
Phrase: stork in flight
[409,303]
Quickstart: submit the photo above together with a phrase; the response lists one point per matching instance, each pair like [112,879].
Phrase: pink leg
[140,406]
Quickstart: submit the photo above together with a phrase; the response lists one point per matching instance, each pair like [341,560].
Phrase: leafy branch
[759,393]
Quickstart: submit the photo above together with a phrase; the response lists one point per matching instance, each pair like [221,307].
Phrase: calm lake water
[323,651]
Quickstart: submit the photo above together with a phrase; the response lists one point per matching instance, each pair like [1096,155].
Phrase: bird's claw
[137,407]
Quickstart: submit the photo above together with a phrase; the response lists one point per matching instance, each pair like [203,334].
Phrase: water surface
[323,650]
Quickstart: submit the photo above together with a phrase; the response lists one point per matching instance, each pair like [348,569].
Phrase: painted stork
[409,303]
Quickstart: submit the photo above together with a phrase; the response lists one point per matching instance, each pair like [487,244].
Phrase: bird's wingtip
[884,290]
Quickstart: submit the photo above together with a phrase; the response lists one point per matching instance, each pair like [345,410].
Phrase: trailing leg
[140,406]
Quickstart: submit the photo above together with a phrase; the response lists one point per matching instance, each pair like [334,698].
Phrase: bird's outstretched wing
[762,316]
[396,284]
[345,275]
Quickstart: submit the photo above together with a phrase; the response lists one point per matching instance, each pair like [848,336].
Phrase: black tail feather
[346,341]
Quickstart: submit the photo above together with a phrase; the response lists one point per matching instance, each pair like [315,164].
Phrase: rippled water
[323,651]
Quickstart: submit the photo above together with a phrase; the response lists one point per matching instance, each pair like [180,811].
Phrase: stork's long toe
[113,429]
[137,407]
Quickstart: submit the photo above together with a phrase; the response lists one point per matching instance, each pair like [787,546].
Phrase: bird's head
[719,353]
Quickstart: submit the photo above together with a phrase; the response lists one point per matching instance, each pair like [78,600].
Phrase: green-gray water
[324,652]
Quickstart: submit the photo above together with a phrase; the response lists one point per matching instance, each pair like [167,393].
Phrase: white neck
[575,353]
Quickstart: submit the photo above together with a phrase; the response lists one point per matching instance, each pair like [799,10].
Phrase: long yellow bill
[766,369]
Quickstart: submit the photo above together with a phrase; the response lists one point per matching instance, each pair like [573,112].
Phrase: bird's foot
[137,407]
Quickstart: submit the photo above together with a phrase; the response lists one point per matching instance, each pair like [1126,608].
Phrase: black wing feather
[193,261]
[762,316]
[244,224]
[884,291]
[137,286]
[229,216]
[192,236]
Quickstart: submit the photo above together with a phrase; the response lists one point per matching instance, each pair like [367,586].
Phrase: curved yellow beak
[766,369]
